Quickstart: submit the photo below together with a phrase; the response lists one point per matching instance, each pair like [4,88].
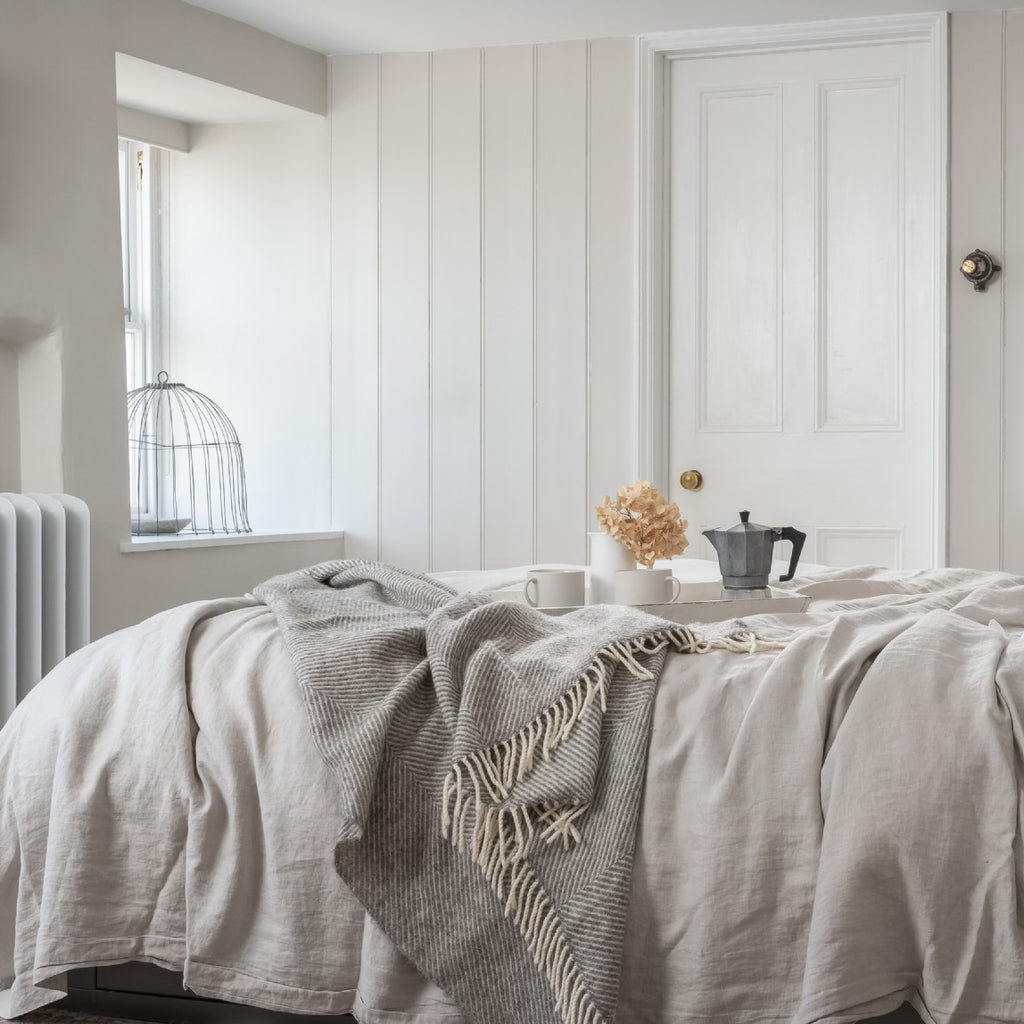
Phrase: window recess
[227,235]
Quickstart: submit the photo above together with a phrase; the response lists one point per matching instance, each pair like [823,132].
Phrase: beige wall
[986,329]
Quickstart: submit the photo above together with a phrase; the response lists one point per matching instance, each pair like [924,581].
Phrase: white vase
[607,557]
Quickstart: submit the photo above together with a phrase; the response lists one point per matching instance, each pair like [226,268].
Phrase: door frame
[654,56]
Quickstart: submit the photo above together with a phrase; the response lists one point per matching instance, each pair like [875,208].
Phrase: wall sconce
[978,267]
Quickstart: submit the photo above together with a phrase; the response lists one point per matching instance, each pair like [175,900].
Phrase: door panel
[802,245]
[740,223]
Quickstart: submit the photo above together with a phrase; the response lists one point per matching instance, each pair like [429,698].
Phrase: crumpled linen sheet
[826,832]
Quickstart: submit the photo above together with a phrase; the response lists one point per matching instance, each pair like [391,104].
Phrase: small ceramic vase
[607,557]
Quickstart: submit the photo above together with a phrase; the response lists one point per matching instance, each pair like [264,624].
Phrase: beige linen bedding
[825,832]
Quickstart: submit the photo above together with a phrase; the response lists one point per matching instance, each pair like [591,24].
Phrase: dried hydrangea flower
[642,520]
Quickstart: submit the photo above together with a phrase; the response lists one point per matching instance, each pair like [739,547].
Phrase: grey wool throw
[489,763]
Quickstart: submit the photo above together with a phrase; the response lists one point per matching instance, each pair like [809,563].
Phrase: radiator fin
[44,588]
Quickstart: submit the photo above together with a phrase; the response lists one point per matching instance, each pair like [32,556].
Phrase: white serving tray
[698,602]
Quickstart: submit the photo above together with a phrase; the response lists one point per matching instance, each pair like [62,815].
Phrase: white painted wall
[60,275]
[484,315]
[10,412]
[482,287]
[476,468]
[248,302]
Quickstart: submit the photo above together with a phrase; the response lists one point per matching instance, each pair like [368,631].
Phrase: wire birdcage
[187,473]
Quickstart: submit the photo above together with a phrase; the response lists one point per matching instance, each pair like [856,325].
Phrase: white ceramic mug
[555,588]
[646,586]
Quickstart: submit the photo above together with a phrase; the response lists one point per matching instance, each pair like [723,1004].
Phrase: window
[142,171]
[226,236]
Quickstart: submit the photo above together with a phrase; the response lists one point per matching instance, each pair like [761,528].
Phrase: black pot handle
[798,538]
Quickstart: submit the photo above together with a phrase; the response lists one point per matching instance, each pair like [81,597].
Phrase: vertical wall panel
[611,314]
[561,296]
[404,310]
[354,358]
[455,394]
[975,318]
[508,306]
[484,319]
[1011,250]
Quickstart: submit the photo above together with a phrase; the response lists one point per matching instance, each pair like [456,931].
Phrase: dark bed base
[145,992]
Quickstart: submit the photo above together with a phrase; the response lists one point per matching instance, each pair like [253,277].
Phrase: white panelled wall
[484,321]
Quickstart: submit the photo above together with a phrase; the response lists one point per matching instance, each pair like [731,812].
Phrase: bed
[830,827]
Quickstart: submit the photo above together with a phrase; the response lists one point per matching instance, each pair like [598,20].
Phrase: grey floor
[54,1015]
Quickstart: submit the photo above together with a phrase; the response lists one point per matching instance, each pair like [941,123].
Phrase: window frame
[142,171]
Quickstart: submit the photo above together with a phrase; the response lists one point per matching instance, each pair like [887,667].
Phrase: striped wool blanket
[489,762]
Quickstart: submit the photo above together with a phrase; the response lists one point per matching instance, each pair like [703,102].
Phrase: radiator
[44,588]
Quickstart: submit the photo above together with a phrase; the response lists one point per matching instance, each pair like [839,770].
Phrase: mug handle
[531,601]
[677,588]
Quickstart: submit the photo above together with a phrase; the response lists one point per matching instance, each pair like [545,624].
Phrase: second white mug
[555,588]
[646,586]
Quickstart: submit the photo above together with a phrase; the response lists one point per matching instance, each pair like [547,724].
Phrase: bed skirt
[145,992]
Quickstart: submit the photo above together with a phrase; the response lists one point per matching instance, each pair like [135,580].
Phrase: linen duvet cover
[826,831]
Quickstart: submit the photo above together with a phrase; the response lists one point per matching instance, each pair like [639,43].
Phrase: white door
[803,242]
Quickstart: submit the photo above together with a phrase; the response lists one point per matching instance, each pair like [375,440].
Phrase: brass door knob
[692,480]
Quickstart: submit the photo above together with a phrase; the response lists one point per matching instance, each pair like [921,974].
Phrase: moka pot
[745,552]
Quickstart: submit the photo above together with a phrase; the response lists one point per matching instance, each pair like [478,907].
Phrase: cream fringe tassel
[498,839]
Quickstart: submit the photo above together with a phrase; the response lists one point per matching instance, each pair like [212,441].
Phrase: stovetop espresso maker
[745,555]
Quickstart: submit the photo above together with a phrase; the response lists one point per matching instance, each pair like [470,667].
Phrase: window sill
[168,542]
